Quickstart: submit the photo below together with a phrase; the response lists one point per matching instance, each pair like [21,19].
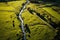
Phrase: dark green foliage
[6,0]
[27,28]
[57,37]
[51,0]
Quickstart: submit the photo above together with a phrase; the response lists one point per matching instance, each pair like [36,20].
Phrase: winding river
[21,20]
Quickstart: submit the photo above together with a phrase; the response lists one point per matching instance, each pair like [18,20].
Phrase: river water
[21,20]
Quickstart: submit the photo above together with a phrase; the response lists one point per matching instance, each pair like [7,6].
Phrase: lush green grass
[52,12]
[39,30]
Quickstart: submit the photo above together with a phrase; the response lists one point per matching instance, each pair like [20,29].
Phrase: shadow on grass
[53,24]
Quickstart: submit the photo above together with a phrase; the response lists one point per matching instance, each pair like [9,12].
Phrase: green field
[39,29]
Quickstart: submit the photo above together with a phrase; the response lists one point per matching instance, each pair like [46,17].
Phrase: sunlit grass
[39,30]
[52,12]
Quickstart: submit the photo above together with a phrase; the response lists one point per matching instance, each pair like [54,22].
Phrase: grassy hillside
[41,21]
